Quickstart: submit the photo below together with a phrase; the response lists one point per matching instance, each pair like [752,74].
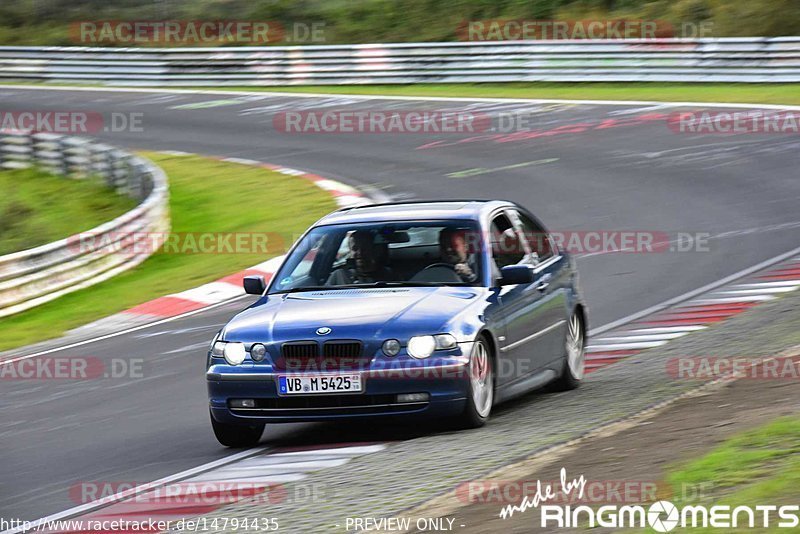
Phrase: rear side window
[506,246]
[536,237]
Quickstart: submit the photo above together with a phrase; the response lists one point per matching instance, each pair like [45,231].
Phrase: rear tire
[574,356]
[237,436]
[481,387]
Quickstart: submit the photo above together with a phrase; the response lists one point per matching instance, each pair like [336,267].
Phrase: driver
[454,251]
[364,265]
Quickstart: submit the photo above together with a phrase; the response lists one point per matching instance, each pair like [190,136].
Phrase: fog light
[413,397]
[257,352]
[391,347]
[243,403]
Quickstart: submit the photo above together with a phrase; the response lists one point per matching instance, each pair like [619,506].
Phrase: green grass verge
[671,92]
[205,196]
[767,93]
[761,466]
[37,208]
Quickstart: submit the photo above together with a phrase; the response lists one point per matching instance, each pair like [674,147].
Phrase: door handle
[544,283]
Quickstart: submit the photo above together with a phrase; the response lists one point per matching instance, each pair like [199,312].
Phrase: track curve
[605,167]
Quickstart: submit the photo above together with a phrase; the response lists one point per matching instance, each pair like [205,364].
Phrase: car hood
[352,314]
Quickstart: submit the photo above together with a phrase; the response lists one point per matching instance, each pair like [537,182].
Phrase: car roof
[415,210]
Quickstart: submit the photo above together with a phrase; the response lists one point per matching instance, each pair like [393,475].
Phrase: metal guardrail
[755,59]
[32,277]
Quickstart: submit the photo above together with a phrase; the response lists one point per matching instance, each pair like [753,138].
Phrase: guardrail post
[135,182]
[100,163]
[47,152]
[17,148]
[120,170]
[78,158]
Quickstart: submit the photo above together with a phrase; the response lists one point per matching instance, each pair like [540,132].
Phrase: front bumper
[445,380]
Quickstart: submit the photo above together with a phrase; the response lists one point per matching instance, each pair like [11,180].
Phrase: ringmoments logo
[661,516]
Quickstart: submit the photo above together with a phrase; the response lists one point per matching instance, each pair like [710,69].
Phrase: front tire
[481,387]
[574,357]
[237,436]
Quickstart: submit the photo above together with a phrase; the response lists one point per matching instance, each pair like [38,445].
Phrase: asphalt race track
[601,167]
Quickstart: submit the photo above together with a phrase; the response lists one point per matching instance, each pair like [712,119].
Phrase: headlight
[217,349]
[421,346]
[257,352]
[445,342]
[234,353]
[391,347]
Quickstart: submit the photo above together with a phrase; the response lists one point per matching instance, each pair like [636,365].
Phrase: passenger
[365,263]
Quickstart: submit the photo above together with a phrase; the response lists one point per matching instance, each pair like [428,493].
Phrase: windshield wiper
[325,288]
[304,288]
[417,284]
[371,285]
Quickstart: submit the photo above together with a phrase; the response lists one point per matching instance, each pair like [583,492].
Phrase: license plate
[306,385]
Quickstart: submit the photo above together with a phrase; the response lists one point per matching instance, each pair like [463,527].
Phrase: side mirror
[516,274]
[254,285]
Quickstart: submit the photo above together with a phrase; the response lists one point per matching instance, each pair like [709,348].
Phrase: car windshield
[384,254]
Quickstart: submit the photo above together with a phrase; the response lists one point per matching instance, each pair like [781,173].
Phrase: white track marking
[310,465]
[787,283]
[211,292]
[250,466]
[358,449]
[761,291]
[625,346]
[266,94]
[695,292]
[87,507]
[666,329]
[276,478]
[743,298]
[333,185]
[651,337]
[242,161]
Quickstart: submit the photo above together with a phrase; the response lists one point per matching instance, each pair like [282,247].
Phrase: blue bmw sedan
[415,309]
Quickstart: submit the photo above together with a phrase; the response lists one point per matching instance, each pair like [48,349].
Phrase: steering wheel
[435,265]
[437,272]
